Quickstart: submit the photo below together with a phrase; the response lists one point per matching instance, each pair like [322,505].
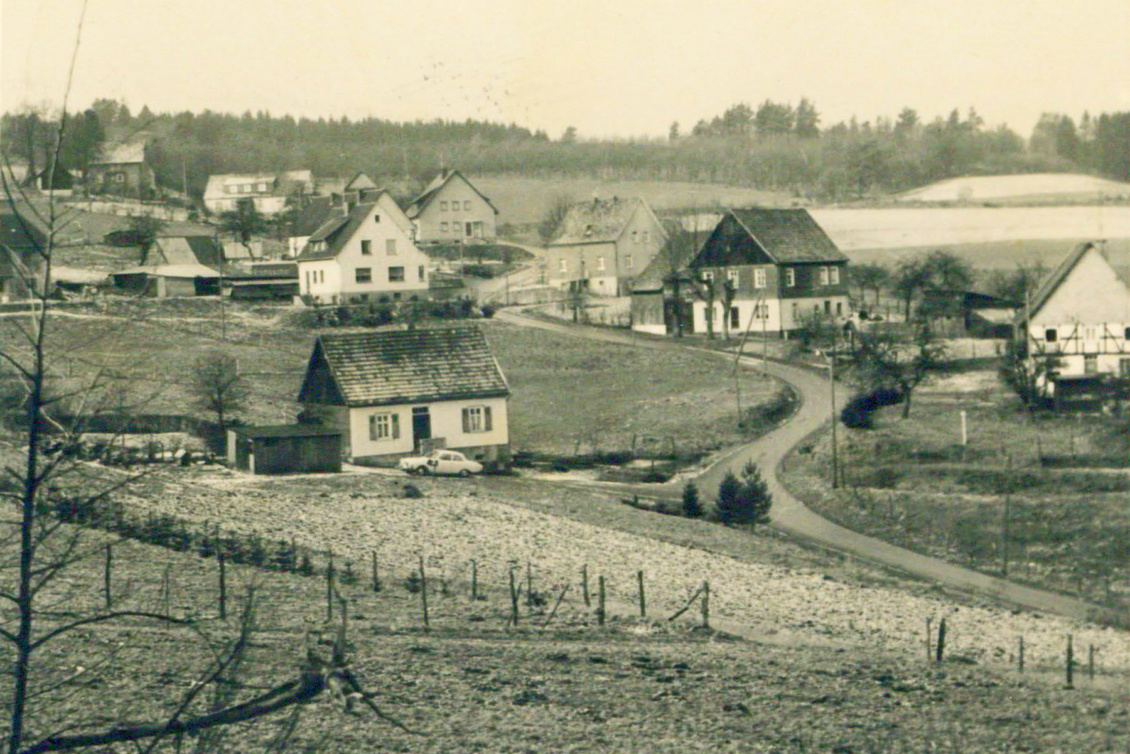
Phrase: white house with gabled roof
[1080,318]
[452,210]
[363,252]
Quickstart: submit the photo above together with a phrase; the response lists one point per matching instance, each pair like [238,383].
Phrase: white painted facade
[379,261]
[770,314]
[446,420]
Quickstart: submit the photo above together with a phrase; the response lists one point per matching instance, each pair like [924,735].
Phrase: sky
[608,67]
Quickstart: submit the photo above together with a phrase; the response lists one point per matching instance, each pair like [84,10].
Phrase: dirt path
[790,514]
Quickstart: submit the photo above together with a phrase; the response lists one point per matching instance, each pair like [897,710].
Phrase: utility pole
[832,391]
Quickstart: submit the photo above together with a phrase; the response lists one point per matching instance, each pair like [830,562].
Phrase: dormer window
[790,277]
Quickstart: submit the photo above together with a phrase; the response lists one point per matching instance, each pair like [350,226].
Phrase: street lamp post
[832,391]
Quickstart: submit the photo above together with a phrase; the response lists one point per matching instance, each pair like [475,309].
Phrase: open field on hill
[1032,187]
[887,228]
[1000,255]
[525,200]
[909,482]
[604,395]
[566,391]
[471,685]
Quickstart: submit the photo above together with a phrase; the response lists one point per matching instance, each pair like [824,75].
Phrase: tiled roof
[789,235]
[596,221]
[312,216]
[424,199]
[334,233]
[409,366]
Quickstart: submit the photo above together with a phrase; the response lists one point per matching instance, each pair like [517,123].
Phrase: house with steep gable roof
[398,392]
[1080,318]
[269,193]
[364,251]
[452,210]
[783,267]
[122,170]
[602,245]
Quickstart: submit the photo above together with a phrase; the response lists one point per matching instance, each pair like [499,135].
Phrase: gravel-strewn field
[459,520]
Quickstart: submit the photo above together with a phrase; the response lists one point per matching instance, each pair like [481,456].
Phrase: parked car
[441,462]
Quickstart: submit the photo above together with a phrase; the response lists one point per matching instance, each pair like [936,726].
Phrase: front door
[421,426]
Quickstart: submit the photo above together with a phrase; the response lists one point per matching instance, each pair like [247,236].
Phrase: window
[635,236]
[366,247]
[443,206]
[835,274]
[735,318]
[390,247]
[564,267]
[396,274]
[628,261]
[455,206]
[646,236]
[262,187]
[823,276]
[790,277]
[476,419]
[1051,335]
[600,263]
[1124,368]
[384,427]
[307,279]
[827,307]
[839,308]
[759,278]
[1090,363]
[443,227]
[422,273]
[1089,333]
[708,276]
[467,205]
[376,218]
[1126,333]
[732,276]
[363,274]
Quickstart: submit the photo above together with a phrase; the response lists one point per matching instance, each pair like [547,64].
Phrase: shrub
[692,508]
[412,492]
[857,414]
[488,310]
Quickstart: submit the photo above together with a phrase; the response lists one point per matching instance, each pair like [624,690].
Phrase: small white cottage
[398,392]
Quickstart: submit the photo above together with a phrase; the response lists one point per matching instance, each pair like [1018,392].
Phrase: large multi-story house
[268,193]
[782,267]
[603,244]
[1079,320]
[452,210]
[363,252]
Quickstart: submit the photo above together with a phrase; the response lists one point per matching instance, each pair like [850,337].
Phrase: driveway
[791,515]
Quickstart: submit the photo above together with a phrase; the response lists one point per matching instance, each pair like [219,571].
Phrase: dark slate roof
[335,231]
[423,200]
[786,236]
[676,254]
[409,366]
[312,216]
[1056,278]
[287,430]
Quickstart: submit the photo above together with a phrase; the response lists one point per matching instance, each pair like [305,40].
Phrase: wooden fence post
[1070,661]
[223,583]
[585,584]
[474,581]
[643,597]
[330,589]
[941,641]
[376,576]
[929,643]
[556,605]
[600,602]
[1020,654]
[106,576]
[513,598]
[529,585]
[424,594]
[1091,661]
[706,604]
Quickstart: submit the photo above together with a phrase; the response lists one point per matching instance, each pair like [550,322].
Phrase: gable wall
[1091,294]
[431,221]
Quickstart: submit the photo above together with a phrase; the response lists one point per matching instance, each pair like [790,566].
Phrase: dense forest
[771,146]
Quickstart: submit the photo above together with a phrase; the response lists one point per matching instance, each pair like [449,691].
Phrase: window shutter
[486,418]
[396,426]
[466,421]
[373,427]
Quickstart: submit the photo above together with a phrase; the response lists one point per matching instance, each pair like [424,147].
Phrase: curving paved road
[790,514]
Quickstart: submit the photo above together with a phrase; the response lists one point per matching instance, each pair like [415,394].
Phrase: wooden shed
[285,449]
